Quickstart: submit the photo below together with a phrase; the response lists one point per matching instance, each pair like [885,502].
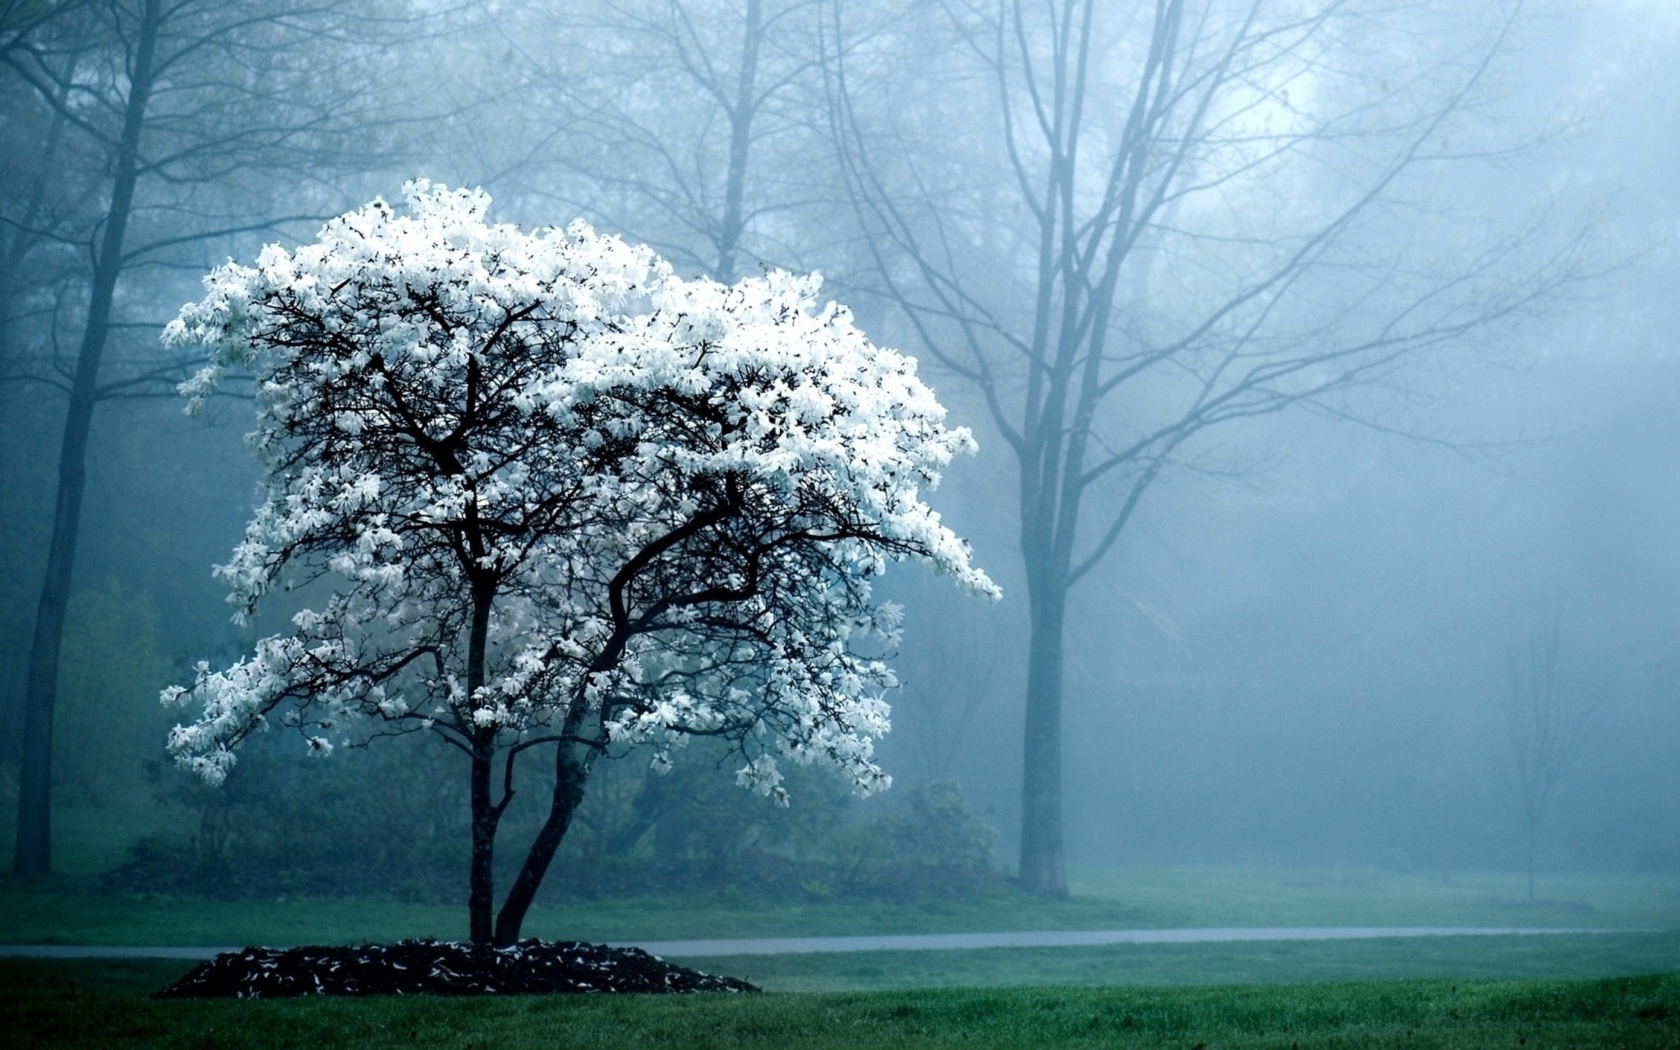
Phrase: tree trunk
[34,826]
[481,885]
[741,116]
[571,774]
[481,901]
[1042,868]
[1533,833]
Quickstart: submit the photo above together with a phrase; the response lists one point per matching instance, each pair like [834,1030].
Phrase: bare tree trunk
[34,827]
[1042,868]
[1544,733]
[741,116]
[1531,836]
[481,887]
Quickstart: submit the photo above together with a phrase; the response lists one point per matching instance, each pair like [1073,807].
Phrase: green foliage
[384,822]
[391,823]
[99,1003]
[933,836]
[692,831]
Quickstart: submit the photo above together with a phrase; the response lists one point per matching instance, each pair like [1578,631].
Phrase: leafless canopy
[1132,227]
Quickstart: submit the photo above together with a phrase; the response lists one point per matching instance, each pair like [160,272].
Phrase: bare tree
[164,126]
[692,125]
[1544,729]
[1132,227]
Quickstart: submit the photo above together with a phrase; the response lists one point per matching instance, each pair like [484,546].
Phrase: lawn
[67,908]
[1538,991]
[1187,965]
[103,1004]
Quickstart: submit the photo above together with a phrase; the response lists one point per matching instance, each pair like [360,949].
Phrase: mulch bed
[429,967]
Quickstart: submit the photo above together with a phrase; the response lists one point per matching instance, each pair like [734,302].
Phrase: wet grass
[1165,965]
[69,909]
[1430,992]
[102,1004]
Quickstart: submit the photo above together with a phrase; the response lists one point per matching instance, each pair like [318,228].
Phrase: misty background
[1304,649]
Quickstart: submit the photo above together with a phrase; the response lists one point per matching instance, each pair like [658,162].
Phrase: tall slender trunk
[1533,833]
[481,886]
[34,826]
[741,116]
[481,901]
[1042,869]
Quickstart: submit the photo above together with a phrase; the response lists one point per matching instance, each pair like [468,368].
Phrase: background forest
[1407,602]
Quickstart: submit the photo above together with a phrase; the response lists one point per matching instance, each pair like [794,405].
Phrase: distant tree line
[1119,231]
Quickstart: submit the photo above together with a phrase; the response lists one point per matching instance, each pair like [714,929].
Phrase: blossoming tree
[545,494]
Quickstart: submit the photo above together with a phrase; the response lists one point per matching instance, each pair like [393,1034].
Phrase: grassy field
[103,1004]
[70,910]
[67,908]
[1555,990]
[1185,965]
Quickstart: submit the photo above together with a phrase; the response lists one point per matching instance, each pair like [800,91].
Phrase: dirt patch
[429,967]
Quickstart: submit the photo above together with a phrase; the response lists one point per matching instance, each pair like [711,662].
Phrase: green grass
[1165,965]
[69,910]
[1244,896]
[1427,992]
[103,1004]
[66,908]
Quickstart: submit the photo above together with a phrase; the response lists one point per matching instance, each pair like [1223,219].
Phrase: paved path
[914,941]
[1073,938]
[106,951]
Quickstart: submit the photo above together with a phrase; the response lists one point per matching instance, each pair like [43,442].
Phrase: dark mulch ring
[431,967]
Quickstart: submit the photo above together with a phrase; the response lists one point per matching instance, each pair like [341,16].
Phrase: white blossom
[664,499]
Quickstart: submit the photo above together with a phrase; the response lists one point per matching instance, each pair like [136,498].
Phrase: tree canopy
[542,491]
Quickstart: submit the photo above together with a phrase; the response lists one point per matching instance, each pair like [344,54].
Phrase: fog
[1314,666]
[1309,644]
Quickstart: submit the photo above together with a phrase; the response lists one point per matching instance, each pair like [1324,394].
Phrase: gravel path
[911,942]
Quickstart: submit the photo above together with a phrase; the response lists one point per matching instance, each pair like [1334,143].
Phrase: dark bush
[390,824]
